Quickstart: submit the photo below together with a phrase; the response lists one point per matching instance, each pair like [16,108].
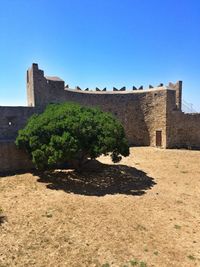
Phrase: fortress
[151,117]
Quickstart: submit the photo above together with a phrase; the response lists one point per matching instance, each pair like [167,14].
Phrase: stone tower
[42,90]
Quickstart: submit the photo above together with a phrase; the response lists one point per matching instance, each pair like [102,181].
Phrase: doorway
[159,138]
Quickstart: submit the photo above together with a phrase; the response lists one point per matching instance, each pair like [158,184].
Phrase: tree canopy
[70,132]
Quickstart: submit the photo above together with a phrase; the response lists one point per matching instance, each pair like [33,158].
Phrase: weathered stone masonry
[151,117]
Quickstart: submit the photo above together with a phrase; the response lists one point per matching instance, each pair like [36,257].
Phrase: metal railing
[188,107]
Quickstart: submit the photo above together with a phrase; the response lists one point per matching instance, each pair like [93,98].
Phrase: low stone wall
[12,159]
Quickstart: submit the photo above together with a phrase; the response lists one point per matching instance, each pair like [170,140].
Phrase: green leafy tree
[70,133]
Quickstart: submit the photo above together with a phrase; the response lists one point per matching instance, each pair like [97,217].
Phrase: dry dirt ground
[143,212]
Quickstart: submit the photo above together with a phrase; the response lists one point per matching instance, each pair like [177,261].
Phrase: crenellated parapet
[122,89]
[115,89]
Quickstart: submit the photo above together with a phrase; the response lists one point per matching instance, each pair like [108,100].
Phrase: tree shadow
[99,179]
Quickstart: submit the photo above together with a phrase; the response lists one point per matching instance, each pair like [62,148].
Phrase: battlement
[114,89]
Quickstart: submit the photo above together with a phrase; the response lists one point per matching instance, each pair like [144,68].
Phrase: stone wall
[12,119]
[125,107]
[141,112]
[12,159]
[154,111]
[184,131]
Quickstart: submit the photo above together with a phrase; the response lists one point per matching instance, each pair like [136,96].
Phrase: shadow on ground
[98,180]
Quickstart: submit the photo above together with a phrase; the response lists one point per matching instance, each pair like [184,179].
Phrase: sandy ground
[145,210]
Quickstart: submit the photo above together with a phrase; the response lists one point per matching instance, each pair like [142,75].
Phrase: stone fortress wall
[151,117]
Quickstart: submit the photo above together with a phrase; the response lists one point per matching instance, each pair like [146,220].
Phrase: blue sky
[101,43]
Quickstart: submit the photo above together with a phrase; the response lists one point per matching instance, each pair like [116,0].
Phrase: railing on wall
[188,107]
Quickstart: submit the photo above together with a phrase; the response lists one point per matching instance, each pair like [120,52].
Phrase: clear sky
[101,43]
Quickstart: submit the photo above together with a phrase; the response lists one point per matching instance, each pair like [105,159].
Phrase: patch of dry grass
[145,210]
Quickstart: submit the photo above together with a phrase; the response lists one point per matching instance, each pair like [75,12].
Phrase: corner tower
[43,90]
[34,78]
[178,88]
